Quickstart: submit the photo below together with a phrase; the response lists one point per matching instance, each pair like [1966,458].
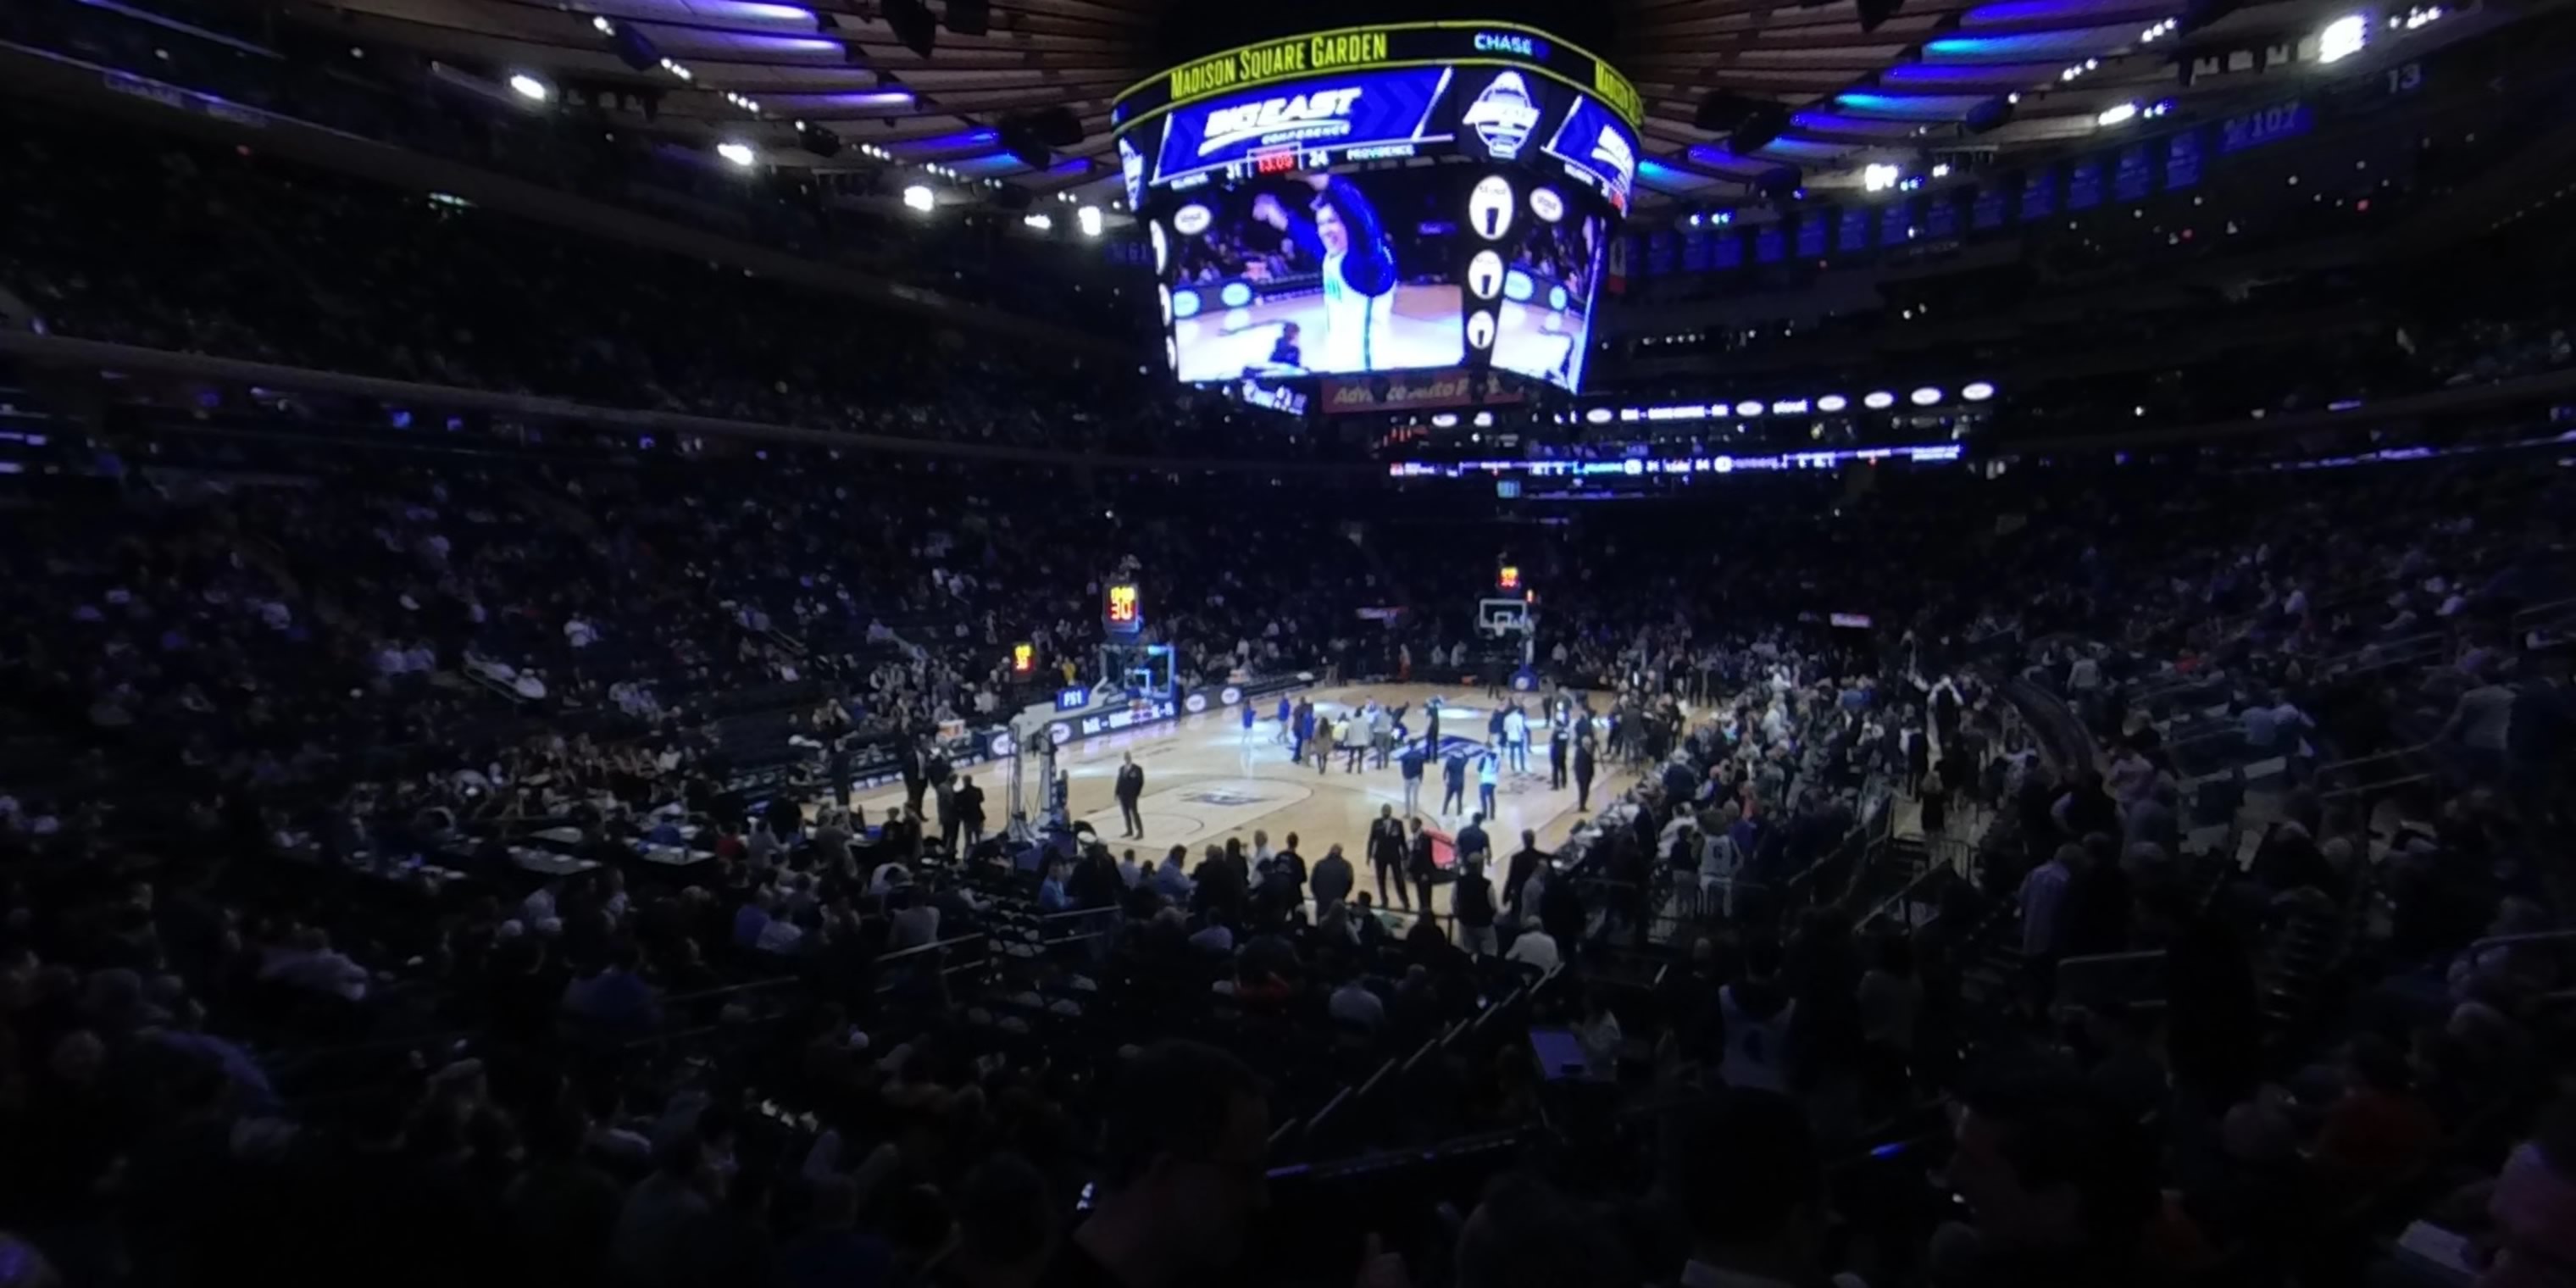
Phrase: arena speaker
[1757,129]
[634,48]
[1988,116]
[1721,111]
[912,24]
[1056,127]
[1875,13]
[1024,148]
[817,140]
[970,17]
[1780,184]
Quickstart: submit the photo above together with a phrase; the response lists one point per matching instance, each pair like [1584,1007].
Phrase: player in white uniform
[1359,271]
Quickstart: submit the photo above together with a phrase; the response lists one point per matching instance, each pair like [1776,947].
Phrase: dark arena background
[1158,643]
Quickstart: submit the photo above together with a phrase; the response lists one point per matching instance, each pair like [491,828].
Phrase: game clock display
[1122,609]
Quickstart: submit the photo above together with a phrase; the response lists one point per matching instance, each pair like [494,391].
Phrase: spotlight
[1925,396]
[1977,391]
[2116,114]
[738,153]
[1088,220]
[920,197]
[2343,38]
[1879,400]
[1878,176]
[1038,221]
[1831,403]
[530,88]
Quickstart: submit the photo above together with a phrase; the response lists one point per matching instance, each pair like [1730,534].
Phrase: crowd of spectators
[2159,886]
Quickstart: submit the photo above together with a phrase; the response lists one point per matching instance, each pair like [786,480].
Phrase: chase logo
[1502,115]
[1510,42]
[1290,118]
[1613,151]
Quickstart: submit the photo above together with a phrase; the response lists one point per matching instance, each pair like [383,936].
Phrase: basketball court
[1205,783]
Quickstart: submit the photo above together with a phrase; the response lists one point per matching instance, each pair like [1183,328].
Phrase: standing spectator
[1471,901]
[1333,877]
[2043,904]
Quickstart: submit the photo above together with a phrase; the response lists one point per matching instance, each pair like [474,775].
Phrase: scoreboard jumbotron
[1373,199]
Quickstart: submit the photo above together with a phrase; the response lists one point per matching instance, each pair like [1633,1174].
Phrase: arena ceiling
[1905,87]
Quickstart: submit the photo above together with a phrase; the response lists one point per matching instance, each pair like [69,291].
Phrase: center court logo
[1502,115]
[1224,797]
[1297,118]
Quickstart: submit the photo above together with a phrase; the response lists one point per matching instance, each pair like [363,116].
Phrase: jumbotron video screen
[1413,197]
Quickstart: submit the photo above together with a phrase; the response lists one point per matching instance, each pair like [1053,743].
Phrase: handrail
[2366,788]
[917,950]
[2533,937]
[728,990]
[2323,770]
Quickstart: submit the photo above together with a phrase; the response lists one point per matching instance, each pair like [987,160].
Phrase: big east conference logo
[1323,114]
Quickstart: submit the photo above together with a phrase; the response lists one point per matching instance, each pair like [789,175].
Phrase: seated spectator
[1533,947]
[1751,1193]
[2377,1130]
[1354,1005]
[1182,1173]
[616,997]
[2060,1188]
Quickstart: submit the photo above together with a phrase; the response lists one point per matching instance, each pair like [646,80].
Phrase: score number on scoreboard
[1122,608]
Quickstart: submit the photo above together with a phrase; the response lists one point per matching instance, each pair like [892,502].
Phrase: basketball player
[1359,270]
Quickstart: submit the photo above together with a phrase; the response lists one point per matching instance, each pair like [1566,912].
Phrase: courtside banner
[1324,113]
[1352,397]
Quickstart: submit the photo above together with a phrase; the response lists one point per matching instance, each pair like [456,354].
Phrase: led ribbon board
[1350,49]
[1484,112]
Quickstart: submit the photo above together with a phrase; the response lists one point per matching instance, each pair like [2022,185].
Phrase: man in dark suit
[969,812]
[1419,864]
[1130,789]
[1583,776]
[1556,748]
[1524,865]
[1453,784]
[1386,856]
[916,775]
